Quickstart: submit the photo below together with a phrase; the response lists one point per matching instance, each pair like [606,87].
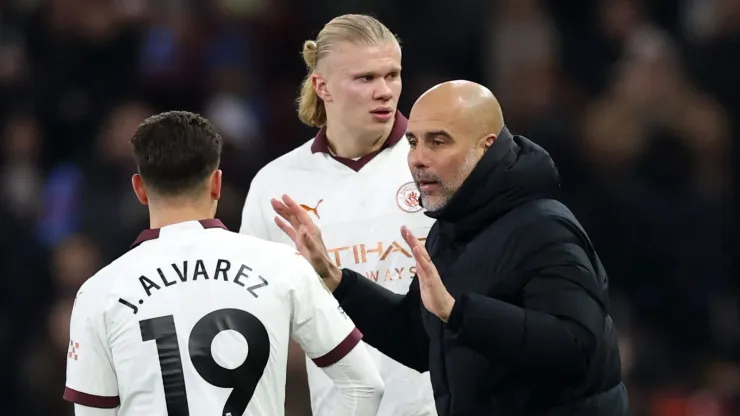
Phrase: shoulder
[105,279]
[551,235]
[268,254]
[95,295]
[275,170]
[540,212]
[540,223]
[278,260]
[245,243]
[553,220]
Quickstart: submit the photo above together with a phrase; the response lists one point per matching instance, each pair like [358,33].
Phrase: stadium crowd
[637,101]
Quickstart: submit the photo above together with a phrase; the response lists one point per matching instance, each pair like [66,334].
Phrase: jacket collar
[512,172]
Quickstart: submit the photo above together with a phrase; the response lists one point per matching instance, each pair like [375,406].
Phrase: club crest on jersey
[407,198]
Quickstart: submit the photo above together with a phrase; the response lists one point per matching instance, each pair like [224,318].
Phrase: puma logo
[314,210]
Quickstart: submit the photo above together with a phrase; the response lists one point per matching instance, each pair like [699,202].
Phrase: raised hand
[434,294]
[298,226]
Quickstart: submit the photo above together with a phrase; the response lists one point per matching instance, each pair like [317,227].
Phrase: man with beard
[509,309]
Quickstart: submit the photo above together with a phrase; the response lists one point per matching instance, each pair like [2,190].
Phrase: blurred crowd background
[637,101]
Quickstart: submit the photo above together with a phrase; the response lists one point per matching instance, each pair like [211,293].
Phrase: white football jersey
[360,206]
[196,320]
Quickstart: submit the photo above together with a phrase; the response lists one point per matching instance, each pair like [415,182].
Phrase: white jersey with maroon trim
[196,320]
[360,206]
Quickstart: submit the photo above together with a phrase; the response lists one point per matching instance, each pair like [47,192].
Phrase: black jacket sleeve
[556,332]
[388,321]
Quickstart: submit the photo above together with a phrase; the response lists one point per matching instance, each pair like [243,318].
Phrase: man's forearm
[359,384]
[389,322]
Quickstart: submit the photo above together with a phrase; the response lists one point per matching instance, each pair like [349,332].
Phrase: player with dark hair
[196,319]
[176,152]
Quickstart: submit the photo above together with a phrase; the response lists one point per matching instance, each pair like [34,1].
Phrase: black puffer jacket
[530,333]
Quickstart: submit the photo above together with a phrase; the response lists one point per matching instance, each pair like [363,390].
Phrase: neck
[344,144]
[162,215]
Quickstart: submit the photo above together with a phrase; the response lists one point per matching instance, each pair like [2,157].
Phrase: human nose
[418,158]
[383,90]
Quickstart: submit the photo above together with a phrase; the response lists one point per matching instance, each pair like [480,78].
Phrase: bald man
[509,310]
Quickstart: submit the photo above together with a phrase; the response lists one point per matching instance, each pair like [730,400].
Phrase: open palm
[434,294]
[298,226]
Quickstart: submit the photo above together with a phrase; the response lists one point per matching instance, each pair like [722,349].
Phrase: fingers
[422,257]
[424,267]
[287,229]
[284,211]
[289,202]
[279,207]
[300,214]
[312,246]
[421,272]
[409,237]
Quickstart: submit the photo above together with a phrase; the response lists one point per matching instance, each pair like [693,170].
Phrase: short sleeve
[253,218]
[91,379]
[319,325]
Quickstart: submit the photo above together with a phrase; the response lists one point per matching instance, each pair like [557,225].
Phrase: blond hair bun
[309,53]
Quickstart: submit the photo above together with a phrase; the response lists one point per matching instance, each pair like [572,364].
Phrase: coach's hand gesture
[434,294]
[295,222]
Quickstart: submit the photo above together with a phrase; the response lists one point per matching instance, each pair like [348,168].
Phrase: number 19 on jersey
[242,380]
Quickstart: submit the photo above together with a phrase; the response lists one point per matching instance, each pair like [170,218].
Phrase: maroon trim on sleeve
[340,351]
[91,400]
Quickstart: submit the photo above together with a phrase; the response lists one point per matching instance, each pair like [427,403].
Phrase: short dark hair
[176,151]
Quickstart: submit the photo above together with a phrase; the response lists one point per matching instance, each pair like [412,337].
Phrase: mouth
[382,112]
[427,186]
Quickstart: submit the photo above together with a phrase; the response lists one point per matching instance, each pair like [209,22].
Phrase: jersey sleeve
[254,218]
[91,379]
[319,325]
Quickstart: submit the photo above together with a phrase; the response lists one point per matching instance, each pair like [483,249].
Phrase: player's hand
[434,294]
[295,222]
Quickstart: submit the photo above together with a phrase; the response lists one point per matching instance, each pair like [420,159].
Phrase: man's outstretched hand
[434,294]
[295,222]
